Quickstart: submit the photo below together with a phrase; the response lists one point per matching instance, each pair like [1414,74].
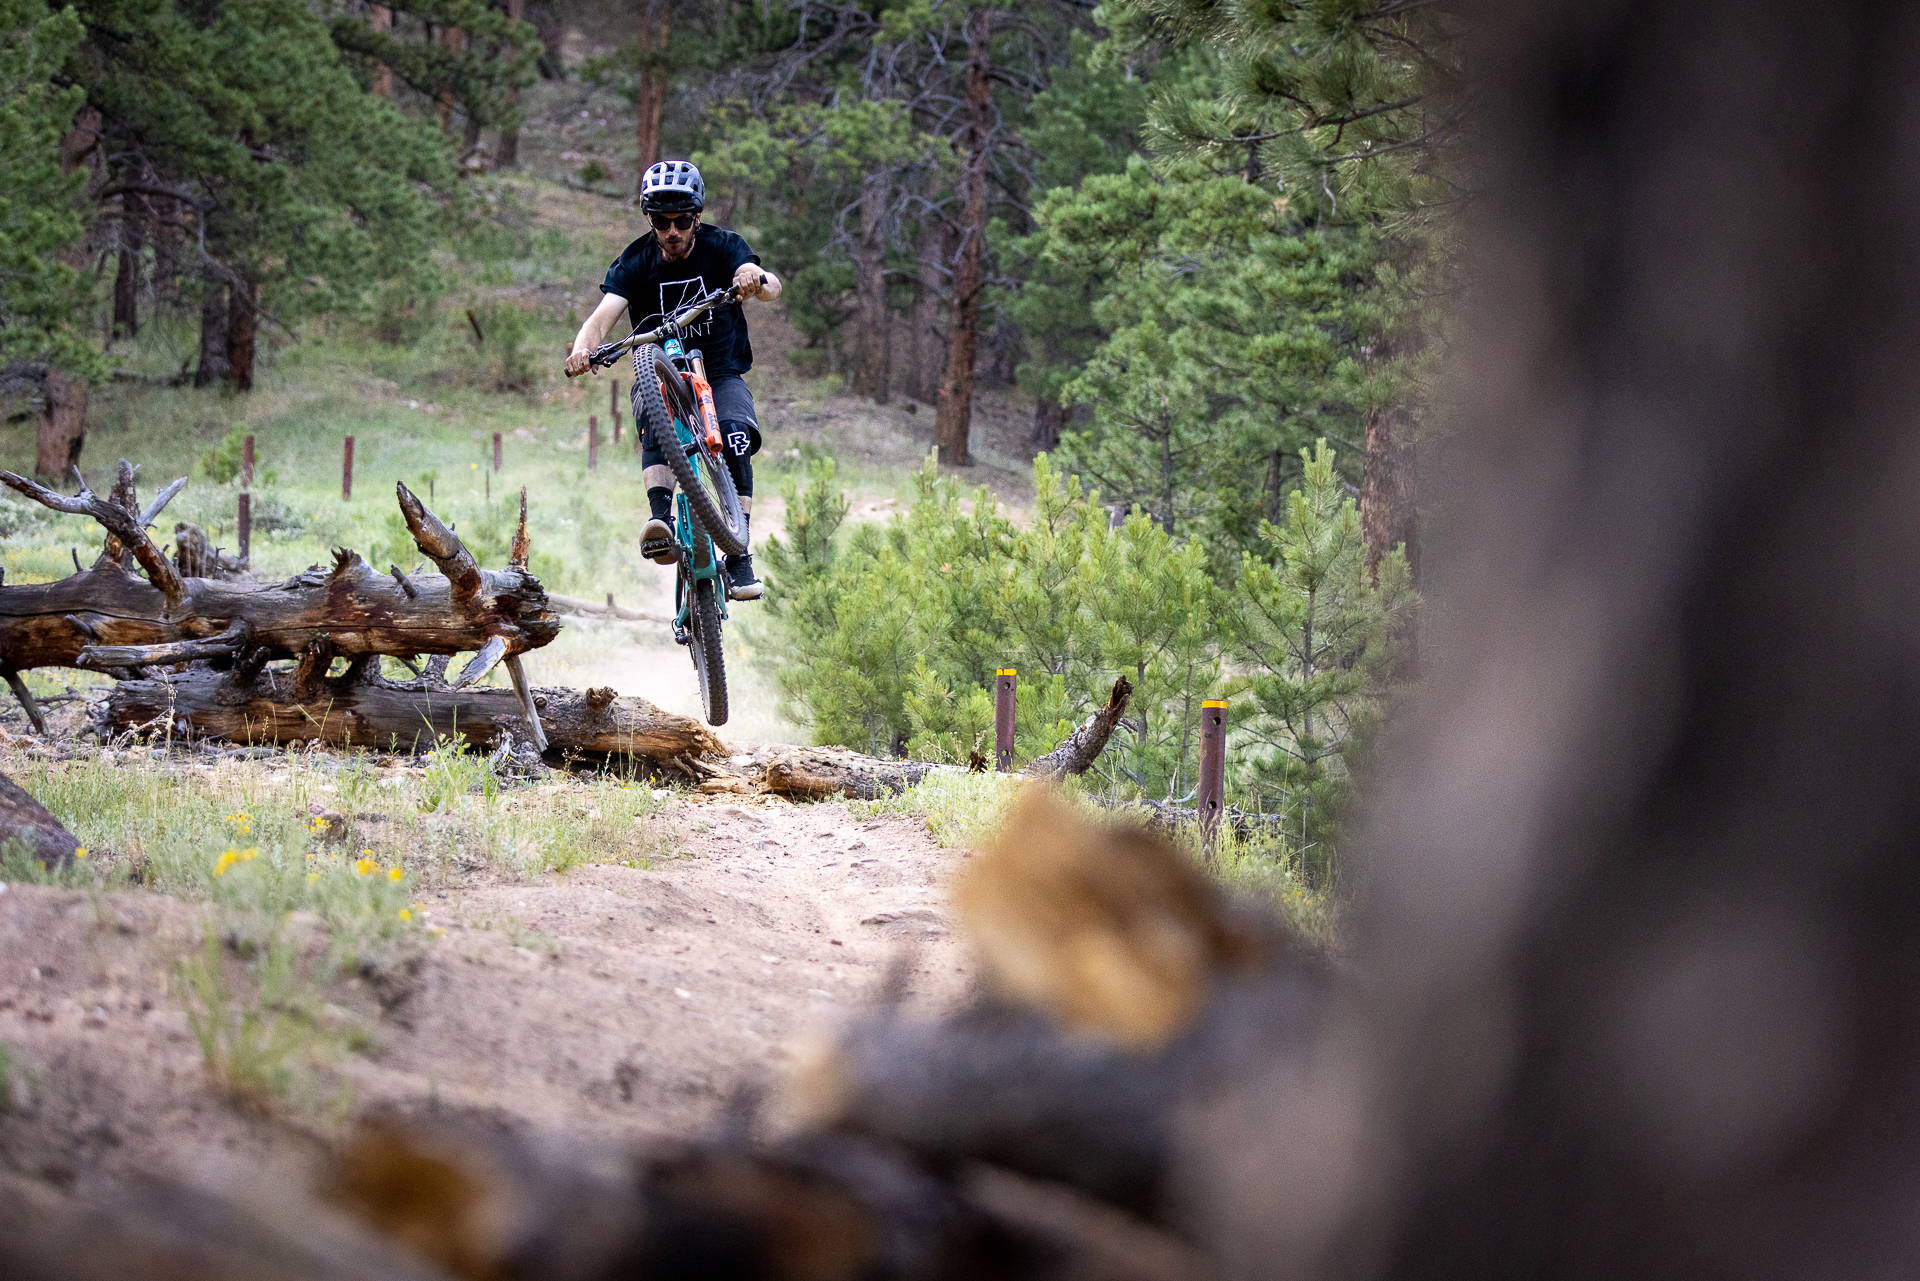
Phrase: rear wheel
[701,474]
[703,640]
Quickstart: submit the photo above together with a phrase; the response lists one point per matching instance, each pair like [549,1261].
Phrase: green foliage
[1315,637]
[1233,336]
[222,463]
[891,634]
[41,293]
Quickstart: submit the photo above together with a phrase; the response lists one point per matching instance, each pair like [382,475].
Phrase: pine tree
[40,209]
[1314,640]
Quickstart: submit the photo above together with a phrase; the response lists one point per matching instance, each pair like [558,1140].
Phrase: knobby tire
[709,659]
[702,477]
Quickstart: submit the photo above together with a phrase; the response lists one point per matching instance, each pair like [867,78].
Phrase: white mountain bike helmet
[672,186]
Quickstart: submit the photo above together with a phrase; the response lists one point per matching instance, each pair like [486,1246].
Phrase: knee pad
[742,439]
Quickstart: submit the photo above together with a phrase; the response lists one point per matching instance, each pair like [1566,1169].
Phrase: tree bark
[1078,750]
[25,824]
[955,419]
[380,18]
[1387,513]
[63,423]
[1049,420]
[650,95]
[509,157]
[873,336]
[376,714]
[134,213]
[243,326]
[62,430]
[213,367]
[104,616]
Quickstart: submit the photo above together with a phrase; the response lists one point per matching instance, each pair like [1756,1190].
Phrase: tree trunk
[1387,486]
[453,40]
[1049,420]
[548,21]
[924,345]
[243,324]
[213,366]
[63,423]
[650,96]
[62,430]
[380,18]
[25,822]
[126,279]
[955,404]
[873,352]
[359,713]
[108,617]
[510,134]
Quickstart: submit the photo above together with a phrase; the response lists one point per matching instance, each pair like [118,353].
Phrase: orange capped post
[1213,768]
[1005,680]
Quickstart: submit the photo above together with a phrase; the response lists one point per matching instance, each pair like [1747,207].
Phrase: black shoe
[741,582]
[657,543]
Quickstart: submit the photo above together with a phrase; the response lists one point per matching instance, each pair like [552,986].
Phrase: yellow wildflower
[312,877]
[365,867]
[226,860]
[405,915]
[81,851]
[249,854]
[319,823]
[396,874]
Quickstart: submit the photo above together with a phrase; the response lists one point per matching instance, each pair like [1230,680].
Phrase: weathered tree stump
[26,824]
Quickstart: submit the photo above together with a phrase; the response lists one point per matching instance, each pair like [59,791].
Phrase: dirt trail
[611,1001]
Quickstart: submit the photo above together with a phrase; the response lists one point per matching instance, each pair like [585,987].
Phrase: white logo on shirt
[675,294]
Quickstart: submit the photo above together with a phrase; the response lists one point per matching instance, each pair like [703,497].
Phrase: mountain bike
[672,397]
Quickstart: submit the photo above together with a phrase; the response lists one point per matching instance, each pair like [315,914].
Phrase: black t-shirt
[655,289]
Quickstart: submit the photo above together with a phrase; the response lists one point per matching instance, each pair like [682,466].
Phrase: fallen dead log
[823,773]
[389,717]
[1078,750]
[109,617]
[25,824]
[195,556]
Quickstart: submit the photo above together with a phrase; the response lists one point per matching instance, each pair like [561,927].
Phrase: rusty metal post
[1213,768]
[246,463]
[496,451]
[593,441]
[246,526]
[1005,680]
[346,470]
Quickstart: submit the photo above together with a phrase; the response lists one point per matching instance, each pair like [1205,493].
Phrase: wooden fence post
[1005,680]
[496,451]
[246,526]
[1213,768]
[615,398]
[593,441]
[346,470]
[246,463]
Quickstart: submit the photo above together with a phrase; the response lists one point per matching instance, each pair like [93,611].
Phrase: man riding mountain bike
[680,261]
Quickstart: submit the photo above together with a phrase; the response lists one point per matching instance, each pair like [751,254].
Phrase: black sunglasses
[679,222]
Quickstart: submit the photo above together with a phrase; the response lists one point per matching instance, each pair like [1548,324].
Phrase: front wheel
[702,475]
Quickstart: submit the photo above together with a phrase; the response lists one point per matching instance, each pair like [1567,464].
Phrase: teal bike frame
[697,560]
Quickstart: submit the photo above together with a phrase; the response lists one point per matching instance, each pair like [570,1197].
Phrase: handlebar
[602,356]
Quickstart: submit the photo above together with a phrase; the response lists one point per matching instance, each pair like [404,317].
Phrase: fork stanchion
[346,470]
[1213,769]
[593,441]
[1005,681]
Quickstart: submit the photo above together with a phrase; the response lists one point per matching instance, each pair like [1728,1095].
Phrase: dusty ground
[611,1001]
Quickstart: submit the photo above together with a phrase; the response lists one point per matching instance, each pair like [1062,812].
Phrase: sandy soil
[611,1001]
